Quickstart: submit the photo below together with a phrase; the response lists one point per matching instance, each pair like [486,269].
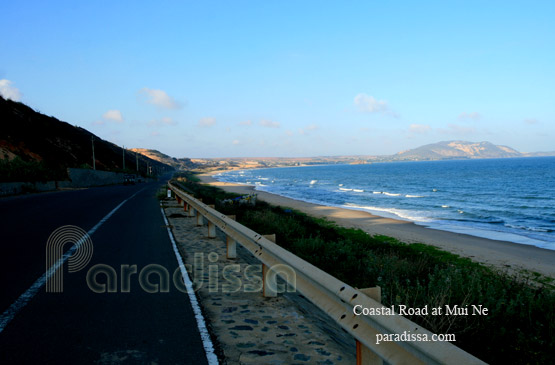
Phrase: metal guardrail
[331,295]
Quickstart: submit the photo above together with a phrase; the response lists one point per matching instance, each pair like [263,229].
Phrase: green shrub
[28,171]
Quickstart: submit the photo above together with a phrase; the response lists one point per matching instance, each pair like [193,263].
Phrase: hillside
[31,139]
[177,163]
[436,151]
[457,150]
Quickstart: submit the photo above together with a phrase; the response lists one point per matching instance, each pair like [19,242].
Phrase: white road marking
[24,298]
[201,324]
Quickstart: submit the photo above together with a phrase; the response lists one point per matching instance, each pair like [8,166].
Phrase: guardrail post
[365,356]
[269,282]
[211,230]
[231,248]
[270,237]
[178,199]
[211,226]
[200,221]
[185,206]
[269,278]
[231,244]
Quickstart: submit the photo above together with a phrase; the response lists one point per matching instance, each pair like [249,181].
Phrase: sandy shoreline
[501,254]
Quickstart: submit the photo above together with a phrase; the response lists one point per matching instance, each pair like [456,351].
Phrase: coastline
[500,254]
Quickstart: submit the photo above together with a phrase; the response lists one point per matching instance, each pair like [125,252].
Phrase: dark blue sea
[505,199]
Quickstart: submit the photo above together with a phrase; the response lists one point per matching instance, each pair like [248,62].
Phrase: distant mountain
[539,154]
[178,163]
[34,138]
[457,150]
[435,151]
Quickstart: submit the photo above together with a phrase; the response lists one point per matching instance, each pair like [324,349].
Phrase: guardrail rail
[331,295]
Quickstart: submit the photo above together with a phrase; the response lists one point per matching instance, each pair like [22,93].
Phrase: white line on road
[204,335]
[22,301]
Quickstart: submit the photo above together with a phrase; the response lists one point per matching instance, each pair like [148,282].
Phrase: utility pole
[123,151]
[94,160]
[137,159]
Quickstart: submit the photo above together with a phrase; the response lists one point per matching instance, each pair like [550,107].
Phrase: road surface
[79,325]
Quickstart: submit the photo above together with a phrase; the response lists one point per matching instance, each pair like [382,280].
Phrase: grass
[162,193]
[29,171]
[520,327]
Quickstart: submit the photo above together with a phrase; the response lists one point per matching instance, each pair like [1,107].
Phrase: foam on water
[510,197]
[408,215]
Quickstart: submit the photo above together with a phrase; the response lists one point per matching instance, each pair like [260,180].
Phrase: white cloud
[154,134]
[531,121]
[98,122]
[206,122]
[236,142]
[114,115]
[473,116]
[269,124]
[419,128]
[246,123]
[369,104]
[161,122]
[457,130]
[8,91]
[159,98]
[308,129]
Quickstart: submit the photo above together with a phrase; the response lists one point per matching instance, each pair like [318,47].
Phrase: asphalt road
[80,325]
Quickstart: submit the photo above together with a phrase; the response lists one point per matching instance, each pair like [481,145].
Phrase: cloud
[269,124]
[159,98]
[531,121]
[236,142]
[457,129]
[369,104]
[114,115]
[8,91]
[308,129]
[246,123]
[473,116]
[206,122]
[166,121]
[154,134]
[98,122]
[419,128]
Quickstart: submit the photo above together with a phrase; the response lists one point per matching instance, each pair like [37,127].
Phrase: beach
[509,256]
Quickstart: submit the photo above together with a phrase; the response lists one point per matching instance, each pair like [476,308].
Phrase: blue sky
[280,78]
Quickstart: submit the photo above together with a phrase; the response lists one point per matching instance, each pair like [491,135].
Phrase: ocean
[504,199]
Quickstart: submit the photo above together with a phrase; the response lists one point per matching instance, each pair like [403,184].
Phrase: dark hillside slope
[57,145]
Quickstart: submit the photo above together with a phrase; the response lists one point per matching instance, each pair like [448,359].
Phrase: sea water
[505,199]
